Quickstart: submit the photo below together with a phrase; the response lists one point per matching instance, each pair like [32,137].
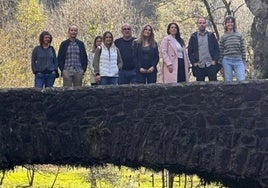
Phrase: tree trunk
[55,179]
[3,176]
[170,179]
[259,35]
[93,180]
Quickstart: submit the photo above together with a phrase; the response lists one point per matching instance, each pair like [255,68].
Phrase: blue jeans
[105,80]
[127,77]
[42,80]
[236,65]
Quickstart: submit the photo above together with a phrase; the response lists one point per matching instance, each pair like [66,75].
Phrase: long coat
[169,52]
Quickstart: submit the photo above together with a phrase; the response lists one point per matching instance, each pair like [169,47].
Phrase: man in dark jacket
[128,73]
[72,59]
[203,52]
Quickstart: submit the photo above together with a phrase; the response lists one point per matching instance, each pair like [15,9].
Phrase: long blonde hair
[151,40]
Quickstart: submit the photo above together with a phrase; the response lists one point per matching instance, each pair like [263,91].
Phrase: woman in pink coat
[175,60]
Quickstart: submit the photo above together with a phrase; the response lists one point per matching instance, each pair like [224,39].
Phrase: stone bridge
[216,130]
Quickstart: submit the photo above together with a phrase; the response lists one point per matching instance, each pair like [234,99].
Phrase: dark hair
[42,36]
[177,35]
[227,18]
[94,44]
[105,34]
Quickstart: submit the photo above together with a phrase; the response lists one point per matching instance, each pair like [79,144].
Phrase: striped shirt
[232,45]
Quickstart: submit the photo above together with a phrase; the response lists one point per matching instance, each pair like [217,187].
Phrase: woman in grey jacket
[44,62]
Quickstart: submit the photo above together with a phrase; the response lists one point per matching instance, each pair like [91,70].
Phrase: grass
[107,177]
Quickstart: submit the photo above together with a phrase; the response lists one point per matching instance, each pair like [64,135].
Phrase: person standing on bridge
[72,58]
[146,56]
[107,61]
[203,52]
[44,63]
[97,44]
[232,51]
[175,59]
[127,75]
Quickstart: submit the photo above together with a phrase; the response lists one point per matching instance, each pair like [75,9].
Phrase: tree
[3,177]
[30,174]
[21,36]
[7,9]
[221,8]
[31,20]
[180,11]
[107,174]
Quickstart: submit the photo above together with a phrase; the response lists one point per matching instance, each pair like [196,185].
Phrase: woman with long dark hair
[96,44]
[175,60]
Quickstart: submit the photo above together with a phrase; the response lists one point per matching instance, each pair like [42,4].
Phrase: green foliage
[183,13]
[14,67]
[30,17]
[19,41]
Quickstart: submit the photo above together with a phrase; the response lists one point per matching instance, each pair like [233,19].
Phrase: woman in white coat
[107,61]
[175,60]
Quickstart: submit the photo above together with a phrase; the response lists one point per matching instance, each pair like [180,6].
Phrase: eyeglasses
[126,29]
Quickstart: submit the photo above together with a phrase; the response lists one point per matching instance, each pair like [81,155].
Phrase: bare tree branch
[238,8]
[55,179]
[227,6]
[2,178]
[211,18]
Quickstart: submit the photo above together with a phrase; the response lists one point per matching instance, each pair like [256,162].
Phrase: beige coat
[169,52]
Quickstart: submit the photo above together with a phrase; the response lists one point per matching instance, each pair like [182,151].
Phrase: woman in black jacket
[146,56]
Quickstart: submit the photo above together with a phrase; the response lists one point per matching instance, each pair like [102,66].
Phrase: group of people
[130,60]
[126,60]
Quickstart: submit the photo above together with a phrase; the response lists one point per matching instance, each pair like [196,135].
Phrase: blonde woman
[107,61]
[146,56]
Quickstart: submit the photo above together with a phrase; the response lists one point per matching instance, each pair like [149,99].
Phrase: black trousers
[210,72]
[147,78]
[181,71]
